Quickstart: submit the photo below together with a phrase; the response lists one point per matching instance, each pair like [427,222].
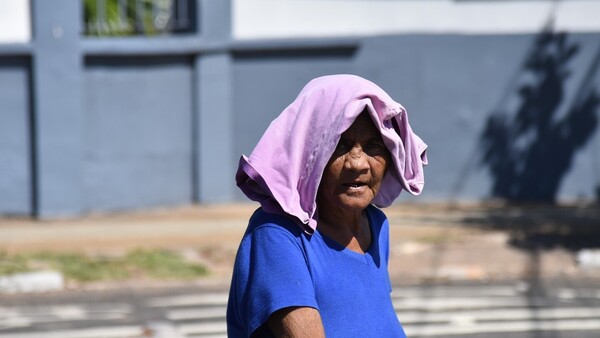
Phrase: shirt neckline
[341,248]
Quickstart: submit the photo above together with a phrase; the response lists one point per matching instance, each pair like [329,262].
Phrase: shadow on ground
[543,226]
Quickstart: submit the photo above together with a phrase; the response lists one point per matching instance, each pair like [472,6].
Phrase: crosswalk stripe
[493,291]
[14,322]
[411,317]
[27,316]
[96,332]
[490,291]
[443,311]
[217,327]
[519,326]
[498,315]
[187,300]
[448,303]
[400,301]
[197,313]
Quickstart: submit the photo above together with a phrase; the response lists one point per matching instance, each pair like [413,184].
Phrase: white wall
[15,21]
[256,19]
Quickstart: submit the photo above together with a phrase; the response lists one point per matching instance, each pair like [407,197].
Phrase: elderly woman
[313,261]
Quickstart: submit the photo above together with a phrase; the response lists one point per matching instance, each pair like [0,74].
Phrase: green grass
[164,264]
[10,264]
[138,263]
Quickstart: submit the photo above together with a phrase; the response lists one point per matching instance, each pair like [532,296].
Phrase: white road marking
[96,332]
[518,326]
[489,291]
[203,328]
[27,316]
[446,311]
[197,313]
[191,299]
[448,303]
[498,315]
[14,322]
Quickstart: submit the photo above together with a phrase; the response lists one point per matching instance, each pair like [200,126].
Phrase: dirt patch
[429,243]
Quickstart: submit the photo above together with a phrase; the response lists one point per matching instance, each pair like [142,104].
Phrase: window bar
[172,16]
[122,14]
[182,14]
[100,17]
[163,14]
[155,15]
[139,16]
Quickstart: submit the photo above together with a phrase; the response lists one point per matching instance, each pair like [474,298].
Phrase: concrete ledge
[36,281]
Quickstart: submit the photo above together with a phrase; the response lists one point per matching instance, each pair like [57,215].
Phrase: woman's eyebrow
[377,138]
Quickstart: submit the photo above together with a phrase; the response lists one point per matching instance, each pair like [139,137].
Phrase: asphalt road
[515,310]
[459,271]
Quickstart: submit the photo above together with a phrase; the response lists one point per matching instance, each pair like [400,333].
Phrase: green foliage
[164,264]
[10,264]
[138,18]
[145,263]
[81,268]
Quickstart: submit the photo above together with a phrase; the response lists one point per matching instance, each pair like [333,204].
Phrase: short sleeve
[270,273]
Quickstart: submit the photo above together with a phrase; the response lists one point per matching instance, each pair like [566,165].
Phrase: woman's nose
[356,159]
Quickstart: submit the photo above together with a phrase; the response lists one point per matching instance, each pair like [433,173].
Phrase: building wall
[118,124]
[15,137]
[452,86]
[95,125]
[260,19]
[137,132]
[15,21]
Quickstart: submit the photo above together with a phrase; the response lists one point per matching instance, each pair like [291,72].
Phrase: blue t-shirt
[278,266]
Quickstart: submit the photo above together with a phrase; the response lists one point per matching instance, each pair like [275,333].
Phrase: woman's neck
[350,230]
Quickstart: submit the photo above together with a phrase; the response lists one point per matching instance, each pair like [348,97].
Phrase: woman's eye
[342,147]
[375,146]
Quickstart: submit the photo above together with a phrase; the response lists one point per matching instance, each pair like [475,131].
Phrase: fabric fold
[284,170]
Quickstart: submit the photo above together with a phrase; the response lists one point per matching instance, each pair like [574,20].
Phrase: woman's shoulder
[271,231]
[262,220]
[375,213]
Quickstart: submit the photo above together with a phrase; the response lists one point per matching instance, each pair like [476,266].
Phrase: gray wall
[119,124]
[15,137]
[268,81]
[105,124]
[452,86]
[137,132]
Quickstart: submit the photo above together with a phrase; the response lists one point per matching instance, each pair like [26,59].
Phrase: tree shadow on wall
[528,152]
[529,149]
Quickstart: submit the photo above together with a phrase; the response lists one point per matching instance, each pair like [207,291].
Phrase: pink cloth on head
[284,170]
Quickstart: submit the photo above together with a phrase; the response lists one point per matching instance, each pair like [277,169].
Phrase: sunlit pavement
[464,271]
[509,310]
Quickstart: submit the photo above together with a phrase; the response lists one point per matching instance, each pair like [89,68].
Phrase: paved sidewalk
[429,243]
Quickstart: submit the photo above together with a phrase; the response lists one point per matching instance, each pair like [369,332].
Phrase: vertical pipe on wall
[33,167]
[57,107]
[214,166]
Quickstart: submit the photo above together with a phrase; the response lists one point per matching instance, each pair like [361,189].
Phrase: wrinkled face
[353,175]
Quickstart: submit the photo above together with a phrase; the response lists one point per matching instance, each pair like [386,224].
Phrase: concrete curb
[36,281]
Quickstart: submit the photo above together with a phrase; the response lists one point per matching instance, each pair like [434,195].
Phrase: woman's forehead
[362,126]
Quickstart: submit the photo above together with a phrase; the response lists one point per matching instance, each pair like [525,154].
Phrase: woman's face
[353,175]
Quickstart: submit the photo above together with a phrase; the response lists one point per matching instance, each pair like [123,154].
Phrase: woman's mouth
[355,185]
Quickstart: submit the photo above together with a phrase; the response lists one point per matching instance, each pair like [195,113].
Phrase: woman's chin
[354,203]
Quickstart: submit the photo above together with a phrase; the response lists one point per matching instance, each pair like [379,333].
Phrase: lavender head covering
[284,170]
